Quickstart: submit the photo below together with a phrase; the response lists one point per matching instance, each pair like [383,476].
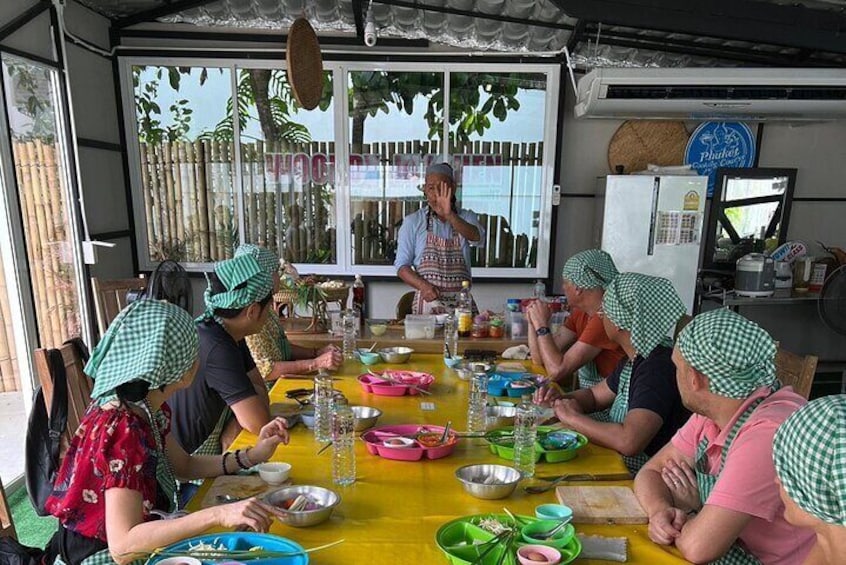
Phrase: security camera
[370,33]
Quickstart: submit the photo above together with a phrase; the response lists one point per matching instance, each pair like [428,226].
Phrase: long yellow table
[391,513]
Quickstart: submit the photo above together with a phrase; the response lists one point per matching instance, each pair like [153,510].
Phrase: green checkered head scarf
[736,355]
[150,340]
[809,451]
[647,307]
[266,258]
[593,268]
[245,282]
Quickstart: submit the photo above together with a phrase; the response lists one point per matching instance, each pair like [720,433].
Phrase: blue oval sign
[715,145]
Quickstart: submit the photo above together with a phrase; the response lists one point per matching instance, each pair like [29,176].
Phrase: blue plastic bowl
[497,387]
[452,362]
[368,357]
[554,512]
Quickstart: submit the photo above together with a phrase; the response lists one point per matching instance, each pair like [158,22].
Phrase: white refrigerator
[653,225]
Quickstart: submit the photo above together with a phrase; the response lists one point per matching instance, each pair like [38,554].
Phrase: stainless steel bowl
[396,354]
[327,499]
[465,369]
[365,417]
[488,481]
[500,416]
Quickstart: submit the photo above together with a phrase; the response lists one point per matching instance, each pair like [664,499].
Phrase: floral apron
[736,554]
[442,264]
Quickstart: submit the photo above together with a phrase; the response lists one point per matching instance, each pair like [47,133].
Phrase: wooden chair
[110,298]
[796,371]
[7,527]
[79,386]
[404,305]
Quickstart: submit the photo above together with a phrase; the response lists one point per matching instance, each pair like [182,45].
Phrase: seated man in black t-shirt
[237,305]
[638,313]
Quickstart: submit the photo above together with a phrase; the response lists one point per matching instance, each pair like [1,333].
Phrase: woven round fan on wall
[638,143]
[305,64]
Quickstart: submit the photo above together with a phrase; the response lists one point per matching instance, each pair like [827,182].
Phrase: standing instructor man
[433,248]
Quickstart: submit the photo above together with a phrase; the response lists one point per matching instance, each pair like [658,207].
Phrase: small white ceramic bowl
[398,442]
[274,473]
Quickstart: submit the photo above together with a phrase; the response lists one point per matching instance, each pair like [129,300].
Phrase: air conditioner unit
[700,93]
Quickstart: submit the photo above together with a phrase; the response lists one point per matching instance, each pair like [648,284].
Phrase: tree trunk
[260,83]
[358,132]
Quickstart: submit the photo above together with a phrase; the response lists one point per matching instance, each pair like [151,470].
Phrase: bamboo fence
[289,206]
[51,275]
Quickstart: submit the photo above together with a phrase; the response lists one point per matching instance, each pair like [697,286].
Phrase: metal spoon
[551,533]
[227,498]
[446,431]
[372,347]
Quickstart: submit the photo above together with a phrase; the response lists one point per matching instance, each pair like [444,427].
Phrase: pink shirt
[747,481]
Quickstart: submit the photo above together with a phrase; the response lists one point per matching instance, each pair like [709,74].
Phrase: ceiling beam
[576,36]
[745,20]
[160,12]
[472,14]
[24,18]
[358,15]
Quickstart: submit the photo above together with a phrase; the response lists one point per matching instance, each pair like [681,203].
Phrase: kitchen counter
[395,336]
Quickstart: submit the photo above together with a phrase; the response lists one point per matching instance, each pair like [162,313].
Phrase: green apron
[617,414]
[588,377]
[736,554]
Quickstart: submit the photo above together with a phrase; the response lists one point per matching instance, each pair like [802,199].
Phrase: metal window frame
[341,69]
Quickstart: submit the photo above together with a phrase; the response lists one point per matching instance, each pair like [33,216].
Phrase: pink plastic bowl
[375,443]
[551,554]
[375,385]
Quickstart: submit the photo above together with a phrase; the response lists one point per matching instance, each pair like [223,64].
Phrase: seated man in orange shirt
[581,347]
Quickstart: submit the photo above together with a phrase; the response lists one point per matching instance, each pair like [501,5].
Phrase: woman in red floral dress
[122,462]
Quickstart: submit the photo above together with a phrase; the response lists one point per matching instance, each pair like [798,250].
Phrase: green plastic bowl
[558,541]
[505,448]
[368,357]
[459,541]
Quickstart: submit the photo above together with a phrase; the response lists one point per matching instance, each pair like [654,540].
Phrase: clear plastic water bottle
[478,404]
[450,336]
[525,435]
[343,445]
[323,401]
[540,290]
[348,319]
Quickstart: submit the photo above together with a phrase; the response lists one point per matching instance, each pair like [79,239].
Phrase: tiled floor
[12,435]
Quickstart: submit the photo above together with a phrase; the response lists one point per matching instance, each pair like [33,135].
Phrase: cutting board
[240,486]
[602,504]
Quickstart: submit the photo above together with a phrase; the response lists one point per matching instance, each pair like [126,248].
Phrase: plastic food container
[479,329]
[418,326]
[516,325]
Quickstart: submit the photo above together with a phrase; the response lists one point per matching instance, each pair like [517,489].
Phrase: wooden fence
[289,201]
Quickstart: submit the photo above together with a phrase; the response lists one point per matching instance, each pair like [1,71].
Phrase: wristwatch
[542,331]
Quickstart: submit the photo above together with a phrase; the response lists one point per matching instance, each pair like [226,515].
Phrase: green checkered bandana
[150,340]
[593,268]
[266,258]
[245,282]
[809,451]
[736,355]
[648,307]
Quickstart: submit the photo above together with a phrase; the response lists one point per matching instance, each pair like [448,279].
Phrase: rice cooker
[755,275]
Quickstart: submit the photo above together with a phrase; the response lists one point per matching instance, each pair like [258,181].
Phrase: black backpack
[44,436]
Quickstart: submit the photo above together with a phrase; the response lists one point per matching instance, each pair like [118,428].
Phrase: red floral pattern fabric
[113,448]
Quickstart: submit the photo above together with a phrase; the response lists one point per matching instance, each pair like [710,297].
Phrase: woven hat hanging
[305,64]
[638,143]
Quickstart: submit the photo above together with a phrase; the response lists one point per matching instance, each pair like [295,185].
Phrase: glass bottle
[348,320]
[525,435]
[358,296]
[343,445]
[323,399]
[477,404]
[464,310]
[450,336]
